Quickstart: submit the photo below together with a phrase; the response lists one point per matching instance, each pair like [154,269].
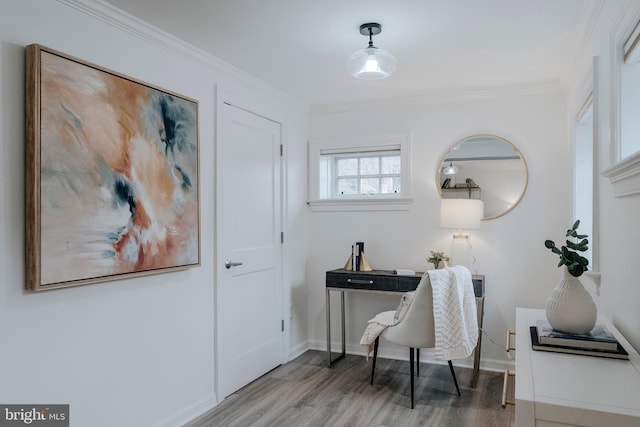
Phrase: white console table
[554,389]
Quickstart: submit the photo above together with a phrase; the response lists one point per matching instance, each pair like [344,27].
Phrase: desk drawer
[362,281]
[478,287]
[383,280]
[408,283]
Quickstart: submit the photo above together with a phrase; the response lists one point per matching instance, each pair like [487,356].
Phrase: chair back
[417,327]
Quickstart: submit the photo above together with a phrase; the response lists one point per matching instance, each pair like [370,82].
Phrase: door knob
[228,263]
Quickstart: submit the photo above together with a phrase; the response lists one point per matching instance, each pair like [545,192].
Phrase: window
[359,171]
[624,169]
[585,178]
[583,195]
[364,173]
[630,96]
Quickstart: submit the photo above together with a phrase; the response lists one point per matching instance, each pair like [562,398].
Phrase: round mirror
[485,167]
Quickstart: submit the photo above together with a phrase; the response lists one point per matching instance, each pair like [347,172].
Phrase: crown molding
[123,21]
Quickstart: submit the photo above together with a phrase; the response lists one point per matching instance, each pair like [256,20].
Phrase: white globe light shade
[450,170]
[371,63]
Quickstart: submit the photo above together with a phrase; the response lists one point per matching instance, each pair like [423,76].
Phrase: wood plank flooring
[306,393]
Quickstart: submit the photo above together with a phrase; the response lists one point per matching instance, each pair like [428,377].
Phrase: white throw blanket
[454,313]
[382,321]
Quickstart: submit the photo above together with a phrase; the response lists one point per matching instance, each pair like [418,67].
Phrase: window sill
[593,281]
[368,204]
[625,176]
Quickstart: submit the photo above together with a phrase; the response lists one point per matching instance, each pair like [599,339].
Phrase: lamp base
[461,250]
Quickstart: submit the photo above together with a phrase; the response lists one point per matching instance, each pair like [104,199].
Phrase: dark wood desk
[386,282]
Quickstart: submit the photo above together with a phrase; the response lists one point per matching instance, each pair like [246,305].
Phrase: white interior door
[250,284]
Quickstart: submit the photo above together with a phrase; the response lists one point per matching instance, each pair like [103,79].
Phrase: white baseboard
[497,365]
[190,415]
[298,350]
[400,353]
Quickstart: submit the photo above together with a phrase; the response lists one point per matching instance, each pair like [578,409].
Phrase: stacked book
[357,252]
[598,342]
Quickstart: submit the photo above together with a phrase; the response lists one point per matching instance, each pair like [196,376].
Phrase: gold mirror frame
[442,164]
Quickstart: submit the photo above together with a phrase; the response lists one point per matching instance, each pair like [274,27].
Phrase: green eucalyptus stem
[568,254]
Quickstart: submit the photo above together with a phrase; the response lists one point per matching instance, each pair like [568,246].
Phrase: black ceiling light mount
[371,29]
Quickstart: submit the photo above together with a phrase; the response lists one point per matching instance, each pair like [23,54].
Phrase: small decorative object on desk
[438,259]
[357,261]
[404,272]
[570,307]
[599,338]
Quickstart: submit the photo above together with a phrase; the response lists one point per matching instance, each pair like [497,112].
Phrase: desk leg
[478,350]
[328,308]
[344,345]
[342,327]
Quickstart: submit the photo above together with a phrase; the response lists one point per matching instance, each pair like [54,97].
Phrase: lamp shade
[461,213]
[450,170]
[371,63]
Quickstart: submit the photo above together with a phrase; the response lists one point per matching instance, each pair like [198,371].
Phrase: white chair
[415,330]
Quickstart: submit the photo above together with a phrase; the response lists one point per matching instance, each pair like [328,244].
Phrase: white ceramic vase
[570,307]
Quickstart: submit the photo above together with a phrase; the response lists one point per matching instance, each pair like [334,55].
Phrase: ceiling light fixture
[371,63]
[450,170]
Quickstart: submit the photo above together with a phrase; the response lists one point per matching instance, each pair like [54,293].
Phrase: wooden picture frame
[111,178]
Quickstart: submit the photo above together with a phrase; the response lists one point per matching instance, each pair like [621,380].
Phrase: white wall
[510,250]
[133,352]
[619,217]
[141,351]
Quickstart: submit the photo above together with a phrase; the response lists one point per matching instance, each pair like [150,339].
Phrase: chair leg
[375,355]
[417,362]
[411,373]
[455,380]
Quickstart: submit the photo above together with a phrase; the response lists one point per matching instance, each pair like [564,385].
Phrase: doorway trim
[223,97]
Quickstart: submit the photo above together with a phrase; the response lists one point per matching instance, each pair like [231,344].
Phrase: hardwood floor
[305,392]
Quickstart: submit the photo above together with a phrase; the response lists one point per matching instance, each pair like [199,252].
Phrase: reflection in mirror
[485,167]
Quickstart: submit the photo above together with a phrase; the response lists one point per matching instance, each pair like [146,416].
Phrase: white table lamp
[462,214]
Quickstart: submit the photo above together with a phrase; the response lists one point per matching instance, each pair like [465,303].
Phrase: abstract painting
[111,175]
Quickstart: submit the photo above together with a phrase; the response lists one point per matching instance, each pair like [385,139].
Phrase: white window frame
[588,102]
[623,173]
[332,158]
[359,145]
